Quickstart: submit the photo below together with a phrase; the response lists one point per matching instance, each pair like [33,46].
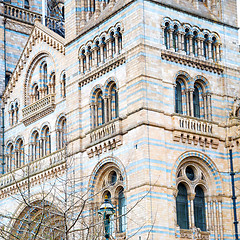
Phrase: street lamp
[106,210]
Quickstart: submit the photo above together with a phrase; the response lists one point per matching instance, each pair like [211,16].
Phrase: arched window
[182,207]
[110,181]
[190,200]
[199,209]
[113,44]
[35,152]
[122,211]
[114,101]
[26,4]
[100,109]
[36,95]
[178,98]
[19,153]
[63,85]
[196,102]
[9,158]
[83,61]
[175,38]
[16,112]
[61,133]
[11,115]
[46,142]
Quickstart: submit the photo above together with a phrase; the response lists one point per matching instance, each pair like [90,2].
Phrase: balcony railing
[39,109]
[193,125]
[108,129]
[22,14]
[32,168]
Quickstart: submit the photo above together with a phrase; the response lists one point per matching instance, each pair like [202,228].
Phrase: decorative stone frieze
[105,146]
[192,61]
[38,109]
[194,131]
[195,233]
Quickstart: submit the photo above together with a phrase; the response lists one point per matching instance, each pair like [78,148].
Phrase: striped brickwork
[146,142]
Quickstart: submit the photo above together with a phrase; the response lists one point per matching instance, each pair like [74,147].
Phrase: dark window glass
[196,106]
[199,209]
[178,98]
[182,207]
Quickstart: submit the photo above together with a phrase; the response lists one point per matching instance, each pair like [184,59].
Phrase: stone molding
[194,62]
[101,70]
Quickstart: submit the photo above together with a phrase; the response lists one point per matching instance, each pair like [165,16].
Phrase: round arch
[205,162]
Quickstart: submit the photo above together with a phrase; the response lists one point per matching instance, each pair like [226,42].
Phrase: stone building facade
[138,101]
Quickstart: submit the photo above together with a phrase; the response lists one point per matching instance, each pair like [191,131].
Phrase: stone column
[101,52]
[191,44]
[209,107]
[81,64]
[187,102]
[88,60]
[109,47]
[210,53]
[179,43]
[217,52]
[205,106]
[105,99]
[116,43]
[171,39]
[191,101]
[220,219]
[92,115]
[191,220]
[163,37]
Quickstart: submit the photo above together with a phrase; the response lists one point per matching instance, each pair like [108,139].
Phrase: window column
[191,101]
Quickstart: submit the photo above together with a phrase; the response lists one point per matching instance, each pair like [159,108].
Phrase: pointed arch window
[182,207]
[199,209]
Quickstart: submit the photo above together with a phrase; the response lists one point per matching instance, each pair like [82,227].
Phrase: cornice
[194,62]
[101,70]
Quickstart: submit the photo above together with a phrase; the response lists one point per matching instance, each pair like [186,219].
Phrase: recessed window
[190,173]
[113,177]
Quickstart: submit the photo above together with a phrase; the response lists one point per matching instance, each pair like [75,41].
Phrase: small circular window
[190,173]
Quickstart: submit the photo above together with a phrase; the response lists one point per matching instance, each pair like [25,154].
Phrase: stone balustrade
[108,129]
[195,125]
[33,168]
[20,13]
[38,109]
[28,16]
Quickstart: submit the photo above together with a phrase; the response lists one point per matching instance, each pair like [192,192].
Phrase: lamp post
[106,210]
